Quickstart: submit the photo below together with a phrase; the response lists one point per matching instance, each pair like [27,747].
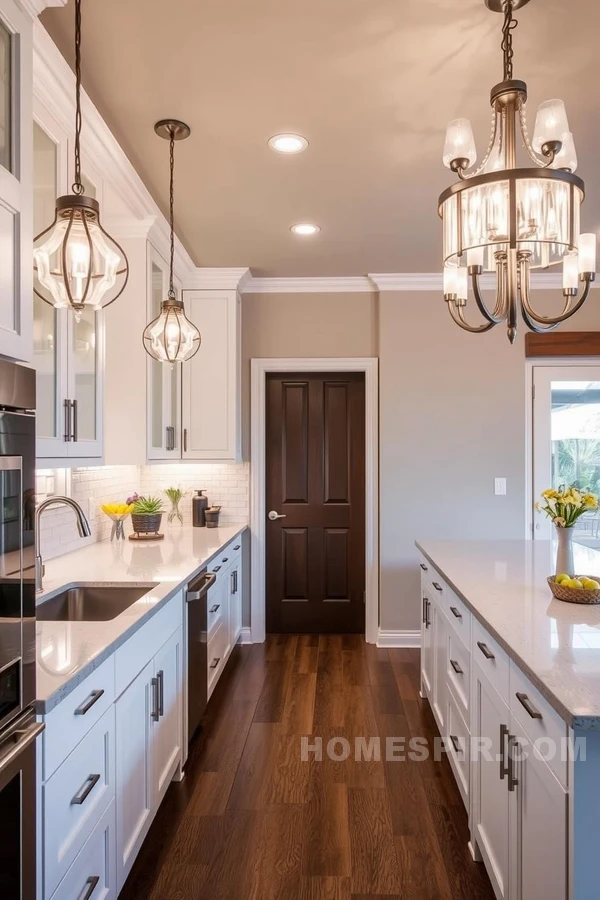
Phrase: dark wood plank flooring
[251,821]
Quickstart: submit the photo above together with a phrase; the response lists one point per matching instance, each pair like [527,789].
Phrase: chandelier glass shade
[77,264]
[171,337]
[508,220]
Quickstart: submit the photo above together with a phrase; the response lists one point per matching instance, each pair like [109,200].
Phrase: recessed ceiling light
[305,229]
[288,143]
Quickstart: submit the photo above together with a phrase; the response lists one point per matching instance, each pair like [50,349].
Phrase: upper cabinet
[15,182]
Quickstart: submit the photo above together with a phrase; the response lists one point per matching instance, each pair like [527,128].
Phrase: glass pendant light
[77,264]
[171,337]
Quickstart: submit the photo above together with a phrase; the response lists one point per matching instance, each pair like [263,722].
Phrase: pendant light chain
[510,23]
[78,186]
[171,212]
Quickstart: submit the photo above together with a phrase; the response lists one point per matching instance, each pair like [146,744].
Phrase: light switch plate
[500,487]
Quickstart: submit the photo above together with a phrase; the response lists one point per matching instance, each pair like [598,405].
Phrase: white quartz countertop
[556,644]
[68,651]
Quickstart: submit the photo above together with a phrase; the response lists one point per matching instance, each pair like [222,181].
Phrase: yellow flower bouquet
[566,505]
[118,512]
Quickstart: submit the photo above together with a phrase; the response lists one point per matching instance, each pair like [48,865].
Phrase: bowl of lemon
[575,588]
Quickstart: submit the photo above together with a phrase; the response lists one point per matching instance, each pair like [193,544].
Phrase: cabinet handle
[235,581]
[238,547]
[154,714]
[503,736]
[485,650]
[161,693]
[215,662]
[437,586]
[217,569]
[225,559]
[455,612]
[91,885]
[456,667]
[170,437]
[424,567]
[528,705]
[214,608]
[428,620]
[185,440]
[75,428]
[425,610]
[87,704]
[84,792]
[456,744]
[512,780]
[67,420]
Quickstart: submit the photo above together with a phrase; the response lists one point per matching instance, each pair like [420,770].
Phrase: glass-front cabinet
[67,354]
[164,396]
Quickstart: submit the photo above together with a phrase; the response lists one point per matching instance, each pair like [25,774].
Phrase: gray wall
[452,417]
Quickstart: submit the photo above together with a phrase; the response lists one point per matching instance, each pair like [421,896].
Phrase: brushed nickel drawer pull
[456,744]
[437,586]
[214,608]
[91,885]
[455,612]
[87,704]
[503,767]
[215,662]
[485,650]
[161,693]
[528,705]
[456,667]
[237,547]
[85,791]
[424,567]
[512,780]
[154,686]
[424,610]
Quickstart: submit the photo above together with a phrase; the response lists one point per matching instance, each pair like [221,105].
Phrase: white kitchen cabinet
[235,600]
[167,728]
[538,824]
[93,874]
[439,630]
[16,223]
[134,769]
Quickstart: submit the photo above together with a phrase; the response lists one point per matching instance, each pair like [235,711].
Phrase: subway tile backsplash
[226,485]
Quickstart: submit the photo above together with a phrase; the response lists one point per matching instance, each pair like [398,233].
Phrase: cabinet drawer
[71,720]
[76,797]
[540,722]
[458,746]
[142,646]
[216,610]
[457,672]
[218,646]
[92,875]
[492,659]
[459,616]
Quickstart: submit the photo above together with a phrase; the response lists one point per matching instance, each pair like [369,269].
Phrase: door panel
[316,482]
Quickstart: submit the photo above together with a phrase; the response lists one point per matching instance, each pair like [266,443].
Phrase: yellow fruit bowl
[563,590]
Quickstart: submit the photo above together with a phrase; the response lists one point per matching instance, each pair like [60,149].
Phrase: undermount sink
[89,604]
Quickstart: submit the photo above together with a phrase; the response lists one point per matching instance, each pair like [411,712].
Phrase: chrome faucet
[82,524]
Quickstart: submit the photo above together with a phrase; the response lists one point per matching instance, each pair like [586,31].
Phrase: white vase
[564,551]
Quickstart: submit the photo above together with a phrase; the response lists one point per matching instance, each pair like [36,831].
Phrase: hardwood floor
[252,821]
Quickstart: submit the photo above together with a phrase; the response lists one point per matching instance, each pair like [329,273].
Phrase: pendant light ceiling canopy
[508,220]
[77,264]
[171,337]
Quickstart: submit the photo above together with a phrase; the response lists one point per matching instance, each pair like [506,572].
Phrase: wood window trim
[562,344]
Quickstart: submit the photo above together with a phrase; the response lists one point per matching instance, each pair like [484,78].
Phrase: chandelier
[508,220]
[171,337]
[76,262]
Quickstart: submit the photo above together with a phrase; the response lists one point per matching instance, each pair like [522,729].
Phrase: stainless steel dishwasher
[197,617]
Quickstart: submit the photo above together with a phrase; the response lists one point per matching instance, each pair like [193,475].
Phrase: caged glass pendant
[171,337]
[77,264]
[508,220]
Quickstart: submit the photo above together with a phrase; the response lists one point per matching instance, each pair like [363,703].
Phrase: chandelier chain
[510,23]
[78,186]
[171,210]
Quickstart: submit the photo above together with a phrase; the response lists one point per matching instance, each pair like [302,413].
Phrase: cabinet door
[235,603]
[167,729]
[538,826]
[164,381]
[16,219]
[426,644]
[211,380]
[440,664]
[490,722]
[85,384]
[134,709]
[50,150]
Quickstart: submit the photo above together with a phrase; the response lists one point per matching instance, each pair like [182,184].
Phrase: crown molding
[130,228]
[407,281]
[351,284]
[35,7]
[215,279]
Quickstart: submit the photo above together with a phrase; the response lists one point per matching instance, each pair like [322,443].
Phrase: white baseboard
[246,636]
[398,638]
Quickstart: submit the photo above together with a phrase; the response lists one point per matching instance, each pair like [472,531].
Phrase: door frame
[258,508]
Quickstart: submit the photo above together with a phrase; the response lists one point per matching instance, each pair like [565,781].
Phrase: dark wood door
[315,479]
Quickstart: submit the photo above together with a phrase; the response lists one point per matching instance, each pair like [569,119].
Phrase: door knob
[273,516]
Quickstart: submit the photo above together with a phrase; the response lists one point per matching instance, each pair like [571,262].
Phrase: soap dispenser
[199,505]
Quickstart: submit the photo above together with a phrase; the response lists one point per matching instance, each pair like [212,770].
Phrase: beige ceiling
[370,83]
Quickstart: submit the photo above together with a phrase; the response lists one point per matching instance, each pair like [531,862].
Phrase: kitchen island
[513,679]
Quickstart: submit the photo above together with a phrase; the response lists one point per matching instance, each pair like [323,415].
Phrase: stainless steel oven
[197,618]
[18,728]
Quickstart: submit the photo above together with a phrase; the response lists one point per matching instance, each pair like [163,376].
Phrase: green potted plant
[147,515]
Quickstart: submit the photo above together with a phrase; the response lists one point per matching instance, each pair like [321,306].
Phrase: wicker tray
[574,595]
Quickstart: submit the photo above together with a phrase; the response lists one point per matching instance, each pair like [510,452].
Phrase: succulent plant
[148,506]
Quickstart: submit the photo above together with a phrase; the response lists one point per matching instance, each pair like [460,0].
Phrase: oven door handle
[191,596]
[26,736]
